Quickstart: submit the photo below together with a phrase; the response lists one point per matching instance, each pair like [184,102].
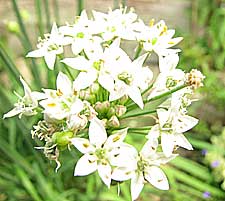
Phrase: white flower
[167,81]
[49,47]
[63,102]
[172,125]
[158,39]
[27,104]
[116,23]
[130,78]
[145,169]
[99,151]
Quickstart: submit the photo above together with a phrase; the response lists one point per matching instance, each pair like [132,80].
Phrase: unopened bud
[195,78]
[120,110]
[85,95]
[13,27]
[113,122]
[77,122]
[62,138]
[102,107]
[111,112]
[123,99]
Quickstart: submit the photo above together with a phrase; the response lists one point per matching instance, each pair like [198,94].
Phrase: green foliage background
[25,174]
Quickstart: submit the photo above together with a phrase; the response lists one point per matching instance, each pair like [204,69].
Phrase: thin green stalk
[47,14]
[9,65]
[138,114]
[133,105]
[80,6]
[39,17]
[34,68]
[146,90]
[124,2]
[115,4]
[140,128]
[138,51]
[138,133]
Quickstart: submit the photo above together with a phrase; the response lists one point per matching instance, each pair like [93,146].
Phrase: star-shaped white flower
[145,169]
[63,101]
[100,152]
[172,125]
[49,47]
[27,104]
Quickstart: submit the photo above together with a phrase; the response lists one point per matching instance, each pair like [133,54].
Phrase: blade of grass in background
[47,15]
[38,8]
[80,6]
[34,68]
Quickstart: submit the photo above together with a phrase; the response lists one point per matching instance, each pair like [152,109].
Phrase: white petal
[124,156]
[153,134]
[106,81]
[54,30]
[82,144]
[26,88]
[50,60]
[137,184]
[104,171]
[140,60]
[97,132]
[84,80]
[79,63]
[36,53]
[77,46]
[168,63]
[85,165]
[38,95]
[157,178]
[135,94]
[185,123]
[12,112]
[77,107]
[168,143]
[63,83]
[122,173]
[149,148]
[116,139]
[163,116]
[182,141]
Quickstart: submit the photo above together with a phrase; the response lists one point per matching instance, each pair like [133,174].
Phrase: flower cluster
[87,111]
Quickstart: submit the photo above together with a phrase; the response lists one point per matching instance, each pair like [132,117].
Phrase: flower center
[126,77]
[142,164]
[100,153]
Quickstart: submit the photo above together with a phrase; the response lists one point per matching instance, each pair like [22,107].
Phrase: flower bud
[195,78]
[123,99]
[62,138]
[111,112]
[77,122]
[120,110]
[113,122]
[13,27]
[102,107]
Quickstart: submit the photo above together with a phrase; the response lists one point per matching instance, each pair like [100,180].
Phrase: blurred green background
[25,174]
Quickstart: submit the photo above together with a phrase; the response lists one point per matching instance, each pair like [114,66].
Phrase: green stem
[39,17]
[47,12]
[139,49]
[146,90]
[138,132]
[28,45]
[133,105]
[138,114]
[80,6]
[140,128]
[10,66]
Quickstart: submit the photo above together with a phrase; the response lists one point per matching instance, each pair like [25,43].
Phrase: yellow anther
[51,104]
[151,23]
[59,92]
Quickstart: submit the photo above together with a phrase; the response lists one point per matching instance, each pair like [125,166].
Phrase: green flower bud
[13,27]
[123,99]
[62,138]
[111,112]
[103,107]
